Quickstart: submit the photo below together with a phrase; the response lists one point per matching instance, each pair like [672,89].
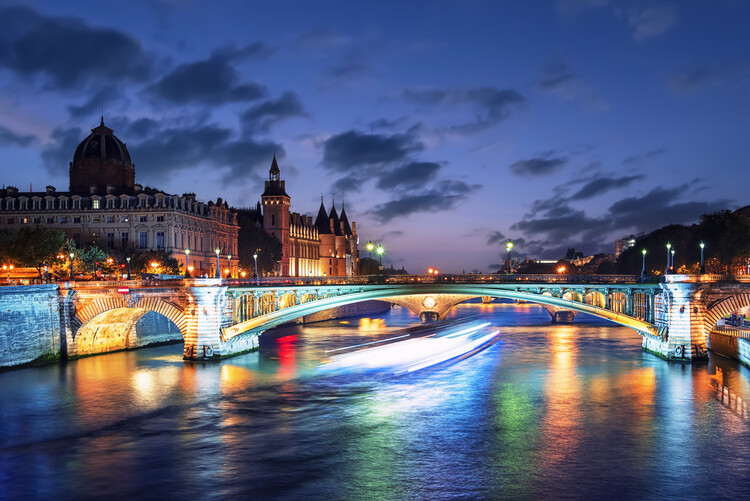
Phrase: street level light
[229,258]
[703,268]
[669,246]
[187,262]
[509,247]
[379,251]
[255,267]
[72,275]
[673,268]
[643,270]
[218,267]
[128,260]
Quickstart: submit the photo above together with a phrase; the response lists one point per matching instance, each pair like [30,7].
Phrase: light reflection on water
[550,411]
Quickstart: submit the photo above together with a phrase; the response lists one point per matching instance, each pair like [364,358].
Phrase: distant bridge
[221,318]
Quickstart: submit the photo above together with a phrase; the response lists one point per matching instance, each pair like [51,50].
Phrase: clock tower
[276,219]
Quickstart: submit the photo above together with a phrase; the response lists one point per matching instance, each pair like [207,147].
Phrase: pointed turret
[336,222]
[345,220]
[322,222]
[274,185]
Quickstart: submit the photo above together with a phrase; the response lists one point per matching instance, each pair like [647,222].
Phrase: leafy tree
[368,266]
[251,240]
[36,247]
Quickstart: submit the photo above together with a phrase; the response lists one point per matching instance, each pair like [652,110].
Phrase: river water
[548,412]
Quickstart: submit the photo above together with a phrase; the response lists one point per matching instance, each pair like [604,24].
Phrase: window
[35,204]
[77,203]
[94,236]
[23,204]
[50,204]
[95,219]
[9,220]
[159,239]
[110,203]
[111,239]
[159,218]
[110,219]
[25,220]
[273,219]
[76,220]
[77,238]
[37,220]
[50,220]
[142,219]
[123,203]
[124,239]
[142,240]
[64,204]
[95,203]
[63,219]
[124,219]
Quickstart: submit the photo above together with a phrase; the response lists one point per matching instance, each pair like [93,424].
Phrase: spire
[274,171]
[344,219]
[336,221]
[322,222]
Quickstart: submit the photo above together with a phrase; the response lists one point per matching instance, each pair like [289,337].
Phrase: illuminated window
[95,204]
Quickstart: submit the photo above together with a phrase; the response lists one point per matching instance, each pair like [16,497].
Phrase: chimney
[137,188]
[354,228]
[92,189]
[50,190]
[110,188]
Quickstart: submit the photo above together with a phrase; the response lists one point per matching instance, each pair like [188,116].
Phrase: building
[325,247]
[104,204]
[623,244]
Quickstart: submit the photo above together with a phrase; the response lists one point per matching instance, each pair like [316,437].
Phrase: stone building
[325,247]
[105,204]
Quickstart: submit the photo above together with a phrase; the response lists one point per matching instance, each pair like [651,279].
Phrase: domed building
[105,204]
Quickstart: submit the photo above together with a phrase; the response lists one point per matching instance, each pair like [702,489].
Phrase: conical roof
[322,222]
[336,221]
[345,220]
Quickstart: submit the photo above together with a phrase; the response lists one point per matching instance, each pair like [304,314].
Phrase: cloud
[559,80]
[652,20]
[490,105]
[100,102]
[10,138]
[261,117]
[540,166]
[67,52]
[59,152]
[353,149]
[445,195]
[495,237]
[688,84]
[413,175]
[320,41]
[602,185]
[561,227]
[211,81]
[644,156]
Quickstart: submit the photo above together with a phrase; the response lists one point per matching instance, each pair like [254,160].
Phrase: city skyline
[448,128]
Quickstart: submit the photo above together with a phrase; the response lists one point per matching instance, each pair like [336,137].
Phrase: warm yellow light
[154,264]
[436,272]
[429,271]
[561,269]
[226,271]
[109,260]
[243,274]
[11,266]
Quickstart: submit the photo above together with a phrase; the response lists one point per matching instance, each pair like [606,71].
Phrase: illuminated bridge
[219,318]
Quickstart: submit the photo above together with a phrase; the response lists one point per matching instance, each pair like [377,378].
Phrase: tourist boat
[423,347]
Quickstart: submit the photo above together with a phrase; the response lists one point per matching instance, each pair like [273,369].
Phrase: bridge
[220,318]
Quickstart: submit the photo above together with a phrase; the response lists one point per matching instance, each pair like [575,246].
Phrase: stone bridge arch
[722,308]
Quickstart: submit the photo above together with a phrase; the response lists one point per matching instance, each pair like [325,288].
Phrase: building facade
[324,247]
[104,204]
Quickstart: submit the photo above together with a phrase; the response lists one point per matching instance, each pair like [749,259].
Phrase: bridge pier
[679,314]
[204,312]
[429,317]
[563,316]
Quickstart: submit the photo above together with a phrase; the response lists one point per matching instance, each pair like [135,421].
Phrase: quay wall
[29,324]
[730,346]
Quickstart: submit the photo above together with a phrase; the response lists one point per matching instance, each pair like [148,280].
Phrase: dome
[101,160]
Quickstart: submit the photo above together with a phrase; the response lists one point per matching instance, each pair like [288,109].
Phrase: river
[548,412]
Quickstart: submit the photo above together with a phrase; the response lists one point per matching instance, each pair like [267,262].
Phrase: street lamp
[229,258]
[643,270]
[255,266]
[154,265]
[669,246]
[509,247]
[187,262]
[72,275]
[370,246]
[672,251]
[703,268]
[379,251]
[218,268]
[46,274]
[128,260]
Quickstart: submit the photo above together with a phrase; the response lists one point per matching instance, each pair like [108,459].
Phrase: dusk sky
[447,127]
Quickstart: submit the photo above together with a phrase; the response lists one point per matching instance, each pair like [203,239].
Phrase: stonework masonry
[29,324]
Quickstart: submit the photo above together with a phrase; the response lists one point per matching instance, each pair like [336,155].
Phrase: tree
[37,247]
[253,240]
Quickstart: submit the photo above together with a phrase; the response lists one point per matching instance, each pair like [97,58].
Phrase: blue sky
[447,127]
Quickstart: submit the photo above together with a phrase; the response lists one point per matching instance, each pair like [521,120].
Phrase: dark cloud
[490,104]
[320,41]
[413,175]
[97,103]
[561,227]
[57,154]
[348,183]
[354,149]
[602,185]
[540,166]
[10,138]
[261,117]
[644,156]
[66,52]
[141,127]
[687,84]
[445,195]
[559,80]
[257,51]
[495,237]
[211,81]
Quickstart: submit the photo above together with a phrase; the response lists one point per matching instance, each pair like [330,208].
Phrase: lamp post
[370,246]
[703,268]
[218,267]
[187,262]
[255,266]
[379,251]
[128,260]
[672,251]
[229,258]
[72,275]
[509,247]
[643,270]
[669,246]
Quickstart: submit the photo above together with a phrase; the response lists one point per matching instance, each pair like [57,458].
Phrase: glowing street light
[187,262]
[243,273]
[218,267]
[229,258]
[379,251]
[672,251]
[669,246]
[128,260]
[561,269]
[72,275]
[509,247]
[154,265]
[429,271]
[703,268]
[643,270]
[255,266]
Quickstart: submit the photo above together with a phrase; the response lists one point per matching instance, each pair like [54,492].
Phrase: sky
[446,127]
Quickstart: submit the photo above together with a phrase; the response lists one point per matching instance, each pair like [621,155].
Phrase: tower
[276,217]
